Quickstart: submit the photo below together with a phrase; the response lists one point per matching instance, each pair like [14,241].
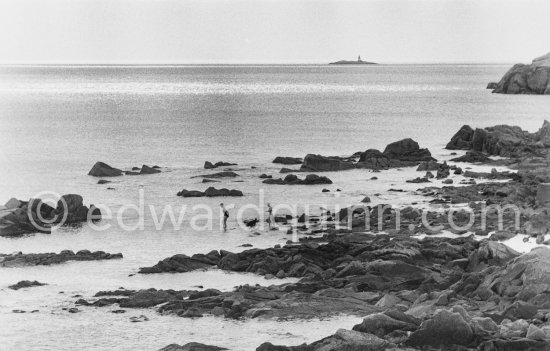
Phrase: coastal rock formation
[504,141]
[101,169]
[291,179]
[19,217]
[526,79]
[225,174]
[210,192]
[192,346]
[148,170]
[318,163]
[45,259]
[210,165]
[288,160]
[407,150]
[25,284]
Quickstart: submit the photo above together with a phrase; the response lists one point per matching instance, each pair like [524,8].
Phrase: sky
[273,31]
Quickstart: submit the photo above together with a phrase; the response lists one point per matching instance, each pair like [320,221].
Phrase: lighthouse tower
[359,58]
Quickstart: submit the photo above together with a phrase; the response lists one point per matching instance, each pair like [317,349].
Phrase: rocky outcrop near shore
[210,192]
[504,141]
[101,169]
[19,217]
[210,165]
[402,153]
[526,79]
[25,284]
[291,179]
[192,346]
[287,160]
[45,259]
[412,294]
[225,174]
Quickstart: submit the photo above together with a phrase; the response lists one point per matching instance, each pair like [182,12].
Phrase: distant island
[358,62]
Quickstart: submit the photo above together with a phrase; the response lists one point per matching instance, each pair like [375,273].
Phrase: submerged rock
[318,163]
[288,160]
[210,192]
[226,174]
[210,165]
[291,179]
[25,284]
[45,259]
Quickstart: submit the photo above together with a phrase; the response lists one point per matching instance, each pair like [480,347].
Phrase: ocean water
[57,121]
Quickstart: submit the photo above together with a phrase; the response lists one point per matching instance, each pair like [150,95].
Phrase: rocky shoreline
[414,290]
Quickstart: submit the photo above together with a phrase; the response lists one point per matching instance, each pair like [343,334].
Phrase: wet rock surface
[19,217]
[210,192]
[45,259]
[25,284]
[291,179]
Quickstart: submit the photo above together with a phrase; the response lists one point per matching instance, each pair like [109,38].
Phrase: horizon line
[244,63]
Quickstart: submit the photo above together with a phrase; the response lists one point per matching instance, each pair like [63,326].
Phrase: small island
[358,62]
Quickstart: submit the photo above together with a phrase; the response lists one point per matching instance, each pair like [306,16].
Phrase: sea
[57,121]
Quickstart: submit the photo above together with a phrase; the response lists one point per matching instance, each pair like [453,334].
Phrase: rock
[472,157]
[101,169]
[25,284]
[525,79]
[538,224]
[520,310]
[210,192]
[288,160]
[445,328]
[492,85]
[265,176]
[210,165]
[352,340]
[45,259]
[366,199]
[192,346]
[543,195]
[103,181]
[536,333]
[148,170]
[447,181]
[407,150]
[418,180]
[502,236]
[462,140]
[318,163]
[429,166]
[225,174]
[380,324]
[183,263]
[525,278]
[291,179]
[36,216]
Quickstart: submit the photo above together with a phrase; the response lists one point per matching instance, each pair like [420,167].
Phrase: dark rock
[291,179]
[192,346]
[25,284]
[183,263]
[225,174]
[445,328]
[472,157]
[525,79]
[462,140]
[45,259]
[288,160]
[210,165]
[407,150]
[265,176]
[492,85]
[210,192]
[318,163]
[103,181]
[101,169]
[148,170]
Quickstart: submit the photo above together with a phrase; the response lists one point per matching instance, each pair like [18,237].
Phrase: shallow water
[56,122]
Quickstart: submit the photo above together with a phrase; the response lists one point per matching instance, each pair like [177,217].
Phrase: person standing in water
[225,216]
[269,215]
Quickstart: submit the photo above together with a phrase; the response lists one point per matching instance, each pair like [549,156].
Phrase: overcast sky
[255,31]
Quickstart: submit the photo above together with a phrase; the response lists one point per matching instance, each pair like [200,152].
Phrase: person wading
[225,216]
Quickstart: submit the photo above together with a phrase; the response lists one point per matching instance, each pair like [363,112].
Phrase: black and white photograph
[275,175]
